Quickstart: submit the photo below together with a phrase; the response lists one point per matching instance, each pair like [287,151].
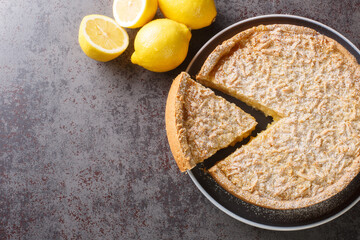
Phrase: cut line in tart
[199,123]
[310,85]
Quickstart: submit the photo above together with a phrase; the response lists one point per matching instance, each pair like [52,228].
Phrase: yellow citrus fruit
[193,13]
[161,45]
[101,38]
[134,13]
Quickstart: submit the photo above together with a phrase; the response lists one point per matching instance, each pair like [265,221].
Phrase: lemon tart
[310,85]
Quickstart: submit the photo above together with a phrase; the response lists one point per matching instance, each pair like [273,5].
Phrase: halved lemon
[101,38]
[134,13]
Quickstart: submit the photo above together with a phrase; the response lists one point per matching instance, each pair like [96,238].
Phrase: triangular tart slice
[199,123]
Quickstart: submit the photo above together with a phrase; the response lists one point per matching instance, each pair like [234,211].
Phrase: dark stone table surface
[83,147]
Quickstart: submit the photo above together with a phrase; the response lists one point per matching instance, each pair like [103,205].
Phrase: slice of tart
[310,85]
[199,123]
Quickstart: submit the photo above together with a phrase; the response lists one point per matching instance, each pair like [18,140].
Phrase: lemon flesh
[193,13]
[101,38]
[161,45]
[134,13]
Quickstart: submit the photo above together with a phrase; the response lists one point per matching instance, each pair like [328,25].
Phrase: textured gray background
[83,148]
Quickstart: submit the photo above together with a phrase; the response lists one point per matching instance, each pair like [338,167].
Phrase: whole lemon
[161,45]
[193,13]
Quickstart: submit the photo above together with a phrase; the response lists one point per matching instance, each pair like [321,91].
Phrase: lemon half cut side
[134,13]
[101,38]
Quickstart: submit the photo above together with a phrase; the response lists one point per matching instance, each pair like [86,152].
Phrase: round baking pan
[282,220]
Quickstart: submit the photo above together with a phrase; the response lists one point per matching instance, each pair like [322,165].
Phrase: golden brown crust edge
[220,51]
[227,45]
[172,106]
[225,183]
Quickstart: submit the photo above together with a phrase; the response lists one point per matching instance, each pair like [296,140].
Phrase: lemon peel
[161,45]
[195,14]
